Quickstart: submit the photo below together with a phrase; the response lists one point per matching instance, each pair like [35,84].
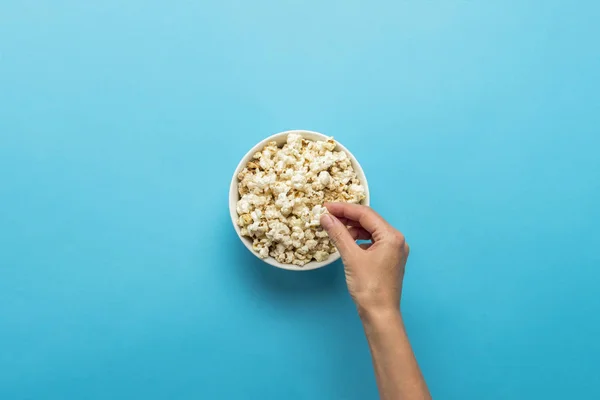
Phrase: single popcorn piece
[264,252]
[316,213]
[282,191]
[321,255]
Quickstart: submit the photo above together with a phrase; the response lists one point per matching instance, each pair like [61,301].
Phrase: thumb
[338,234]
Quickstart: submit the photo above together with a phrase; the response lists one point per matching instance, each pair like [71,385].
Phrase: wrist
[375,315]
[377,322]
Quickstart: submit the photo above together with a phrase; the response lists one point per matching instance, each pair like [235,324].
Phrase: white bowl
[234,196]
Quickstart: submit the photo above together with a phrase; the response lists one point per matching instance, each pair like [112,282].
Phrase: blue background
[121,122]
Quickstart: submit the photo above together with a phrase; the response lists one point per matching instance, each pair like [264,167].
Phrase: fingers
[359,233]
[365,246]
[365,216]
[339,235]
[349,222]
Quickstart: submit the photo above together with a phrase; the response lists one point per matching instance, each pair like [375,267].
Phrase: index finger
[365,216]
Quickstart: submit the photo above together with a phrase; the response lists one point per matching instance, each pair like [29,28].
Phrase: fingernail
[326,221]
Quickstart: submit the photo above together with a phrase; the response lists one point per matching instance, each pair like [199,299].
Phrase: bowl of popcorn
[278,192]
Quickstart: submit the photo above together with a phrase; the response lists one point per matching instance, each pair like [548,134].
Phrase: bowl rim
[234,197]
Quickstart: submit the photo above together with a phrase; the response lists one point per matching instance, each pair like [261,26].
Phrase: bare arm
[396,369]
[374,274]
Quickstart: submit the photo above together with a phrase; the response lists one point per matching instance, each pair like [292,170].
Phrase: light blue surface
[477,123]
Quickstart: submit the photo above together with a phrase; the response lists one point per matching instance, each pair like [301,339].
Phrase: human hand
[374,271]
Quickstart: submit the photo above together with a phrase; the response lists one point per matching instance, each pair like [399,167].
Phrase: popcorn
[316,213]
[298,181]
[243,206]
[282,191]
[263,252]
[321,255]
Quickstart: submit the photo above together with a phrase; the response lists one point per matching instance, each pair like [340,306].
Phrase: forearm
[396,369]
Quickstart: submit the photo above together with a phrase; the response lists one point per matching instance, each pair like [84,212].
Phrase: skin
[374,274]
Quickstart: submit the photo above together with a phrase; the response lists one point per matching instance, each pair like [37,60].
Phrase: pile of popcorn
[282,192]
